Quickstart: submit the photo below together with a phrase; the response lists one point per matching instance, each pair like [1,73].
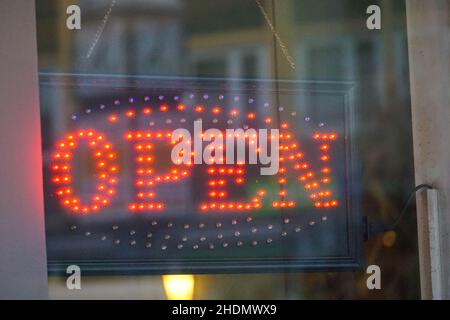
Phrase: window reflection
[231,39]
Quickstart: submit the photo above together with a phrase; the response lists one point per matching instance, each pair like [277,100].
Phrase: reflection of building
[229,39]
[327,39]
[140,37]
[321,38]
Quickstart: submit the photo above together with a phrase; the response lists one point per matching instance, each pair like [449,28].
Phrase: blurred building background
[327,40]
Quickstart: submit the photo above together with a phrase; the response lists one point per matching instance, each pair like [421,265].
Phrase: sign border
[352,261]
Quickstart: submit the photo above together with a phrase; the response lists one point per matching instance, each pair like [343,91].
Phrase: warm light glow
[179,287]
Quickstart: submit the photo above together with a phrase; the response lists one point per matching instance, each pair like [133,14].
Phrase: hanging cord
[100,29]
[373,228]
[407,203]
[275,34]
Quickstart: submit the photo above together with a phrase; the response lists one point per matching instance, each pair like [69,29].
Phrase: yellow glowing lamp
[179,287]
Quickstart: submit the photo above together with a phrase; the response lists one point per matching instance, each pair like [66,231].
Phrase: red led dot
[113,118]
[130,113]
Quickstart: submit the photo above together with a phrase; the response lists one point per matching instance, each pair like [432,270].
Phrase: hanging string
[280,42]
[100,29]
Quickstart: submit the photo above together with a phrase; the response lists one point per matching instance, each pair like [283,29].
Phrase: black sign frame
[350,261]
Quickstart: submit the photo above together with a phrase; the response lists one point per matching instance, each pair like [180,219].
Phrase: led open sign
[180,175]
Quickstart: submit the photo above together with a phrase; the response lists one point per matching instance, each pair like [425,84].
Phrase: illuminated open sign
[166,175]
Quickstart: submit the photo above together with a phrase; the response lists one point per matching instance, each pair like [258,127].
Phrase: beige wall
[429,57]
[23,265]
[114,287]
